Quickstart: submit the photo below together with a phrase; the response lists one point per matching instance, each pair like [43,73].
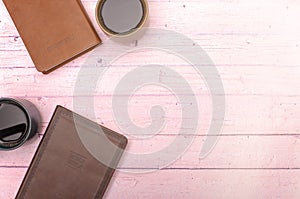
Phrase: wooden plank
[255,14]
[243,80]
[230,152]
[214,184]
[265,118]
[245,115]
[226,50]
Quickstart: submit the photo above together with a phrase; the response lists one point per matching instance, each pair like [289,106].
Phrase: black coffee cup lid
[14,124]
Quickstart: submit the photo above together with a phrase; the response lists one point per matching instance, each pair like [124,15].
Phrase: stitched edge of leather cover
[62,112]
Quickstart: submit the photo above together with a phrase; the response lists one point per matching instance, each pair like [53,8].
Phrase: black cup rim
[29,125]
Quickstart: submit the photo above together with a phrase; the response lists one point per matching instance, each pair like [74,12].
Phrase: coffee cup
[19,121]
[121,18]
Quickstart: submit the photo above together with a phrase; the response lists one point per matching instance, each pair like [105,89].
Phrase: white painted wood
[255,47]
[214,184]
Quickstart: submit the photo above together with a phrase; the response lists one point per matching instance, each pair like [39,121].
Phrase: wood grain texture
[214,184]
[255,46]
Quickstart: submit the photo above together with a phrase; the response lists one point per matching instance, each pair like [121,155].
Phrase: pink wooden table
[255,46]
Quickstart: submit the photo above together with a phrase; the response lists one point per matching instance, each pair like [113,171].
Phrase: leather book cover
[63,167]
[54,32]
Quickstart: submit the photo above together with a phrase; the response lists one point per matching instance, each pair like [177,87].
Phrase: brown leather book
[63,167]
[54,32]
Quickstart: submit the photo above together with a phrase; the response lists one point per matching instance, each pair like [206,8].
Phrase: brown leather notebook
[64,168]
[53,31]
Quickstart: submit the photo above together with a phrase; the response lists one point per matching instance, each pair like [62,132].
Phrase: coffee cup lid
[14,124]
